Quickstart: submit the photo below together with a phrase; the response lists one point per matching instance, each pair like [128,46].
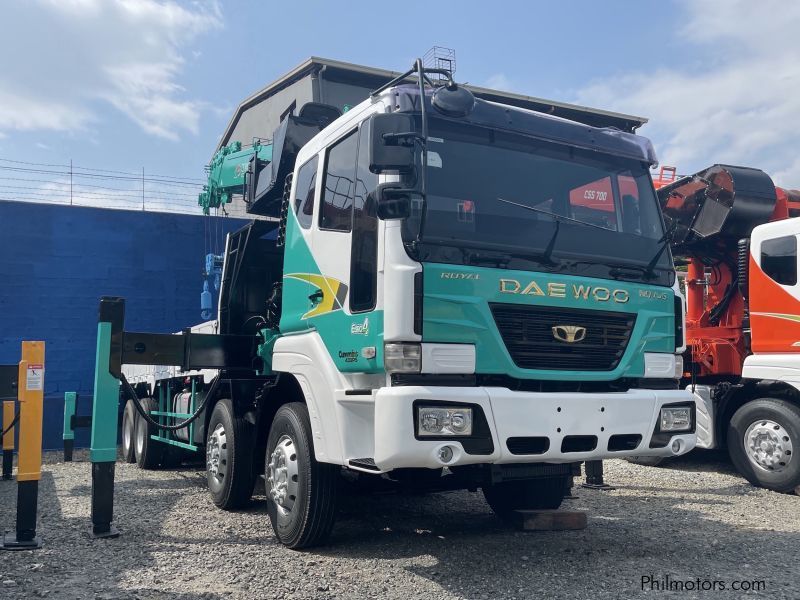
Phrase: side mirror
[393,202]
[391,145]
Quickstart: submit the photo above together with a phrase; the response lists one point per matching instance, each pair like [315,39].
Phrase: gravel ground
[692,519]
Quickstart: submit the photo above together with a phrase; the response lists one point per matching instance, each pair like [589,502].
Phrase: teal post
[106,401]
[105,408]
[70,402]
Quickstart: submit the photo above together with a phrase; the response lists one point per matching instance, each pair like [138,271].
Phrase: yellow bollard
[8,438]
[29,456]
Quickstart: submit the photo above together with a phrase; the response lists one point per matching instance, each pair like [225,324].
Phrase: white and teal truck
[455,294]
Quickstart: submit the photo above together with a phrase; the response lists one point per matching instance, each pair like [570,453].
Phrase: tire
[302,512]
[148,452]
[763,438]
[129,433]
[645,461]
[532,494]
[230,445]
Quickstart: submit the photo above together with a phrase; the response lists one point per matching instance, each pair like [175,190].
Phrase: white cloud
[499,81]
[78,53]
[737,102]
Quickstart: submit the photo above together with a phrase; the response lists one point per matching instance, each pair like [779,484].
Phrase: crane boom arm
[226,173]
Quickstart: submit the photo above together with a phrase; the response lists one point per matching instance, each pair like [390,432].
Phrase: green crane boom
[227,173]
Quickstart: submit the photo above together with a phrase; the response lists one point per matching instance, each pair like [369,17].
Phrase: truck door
[774,288]
[345,247]
[298,257]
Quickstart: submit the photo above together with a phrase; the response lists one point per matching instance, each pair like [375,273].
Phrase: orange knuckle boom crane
[737,233]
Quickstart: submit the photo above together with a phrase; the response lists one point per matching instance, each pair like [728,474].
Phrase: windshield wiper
[664,241]
[555,216]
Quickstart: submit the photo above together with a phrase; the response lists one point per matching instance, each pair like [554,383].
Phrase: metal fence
[100,188]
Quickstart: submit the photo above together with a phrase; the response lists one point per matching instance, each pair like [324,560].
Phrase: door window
[779,259]
[338,189]
[364,254]
[304,192]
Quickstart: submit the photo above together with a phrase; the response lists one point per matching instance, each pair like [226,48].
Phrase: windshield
[500,191]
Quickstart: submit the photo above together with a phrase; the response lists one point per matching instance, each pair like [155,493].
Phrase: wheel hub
[768,445]
[282,475]
[217,457]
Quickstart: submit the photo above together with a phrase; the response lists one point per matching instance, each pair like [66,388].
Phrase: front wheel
[302,492]
[533,494]
[762,436]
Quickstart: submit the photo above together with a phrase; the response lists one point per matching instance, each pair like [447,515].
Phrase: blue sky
[131,84]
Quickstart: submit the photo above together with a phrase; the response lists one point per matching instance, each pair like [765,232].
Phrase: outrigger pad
[112,532]
[10,542]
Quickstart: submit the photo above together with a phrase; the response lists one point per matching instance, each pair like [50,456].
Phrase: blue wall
[55,263]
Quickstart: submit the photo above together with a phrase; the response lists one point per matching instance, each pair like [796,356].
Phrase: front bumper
[577,426]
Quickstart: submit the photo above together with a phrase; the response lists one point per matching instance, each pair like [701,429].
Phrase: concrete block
[552,520]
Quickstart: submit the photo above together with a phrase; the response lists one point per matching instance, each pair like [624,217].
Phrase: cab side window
[338,187]
[779,259]
[304,192]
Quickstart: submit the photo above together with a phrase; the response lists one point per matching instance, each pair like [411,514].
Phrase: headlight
[675,418]
[402,358]
[437,420]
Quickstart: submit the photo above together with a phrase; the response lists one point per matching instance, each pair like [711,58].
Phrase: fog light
[437,420]
[402,358]
[676,418]
[445,454]
[676,446]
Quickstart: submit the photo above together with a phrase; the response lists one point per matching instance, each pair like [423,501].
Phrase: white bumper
[525,414]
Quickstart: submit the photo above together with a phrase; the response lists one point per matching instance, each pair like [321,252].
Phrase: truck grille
[527,332]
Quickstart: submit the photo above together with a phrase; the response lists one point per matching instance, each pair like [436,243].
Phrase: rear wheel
[302,493]
[532,494]
[763,436]
[229,457]
[129,433]
[148,451]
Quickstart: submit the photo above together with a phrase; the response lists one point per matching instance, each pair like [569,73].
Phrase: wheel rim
[768,446]
[217,458]
[282,475]
[126,432]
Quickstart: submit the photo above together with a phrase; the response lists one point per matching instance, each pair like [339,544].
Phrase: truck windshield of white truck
[497,191]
